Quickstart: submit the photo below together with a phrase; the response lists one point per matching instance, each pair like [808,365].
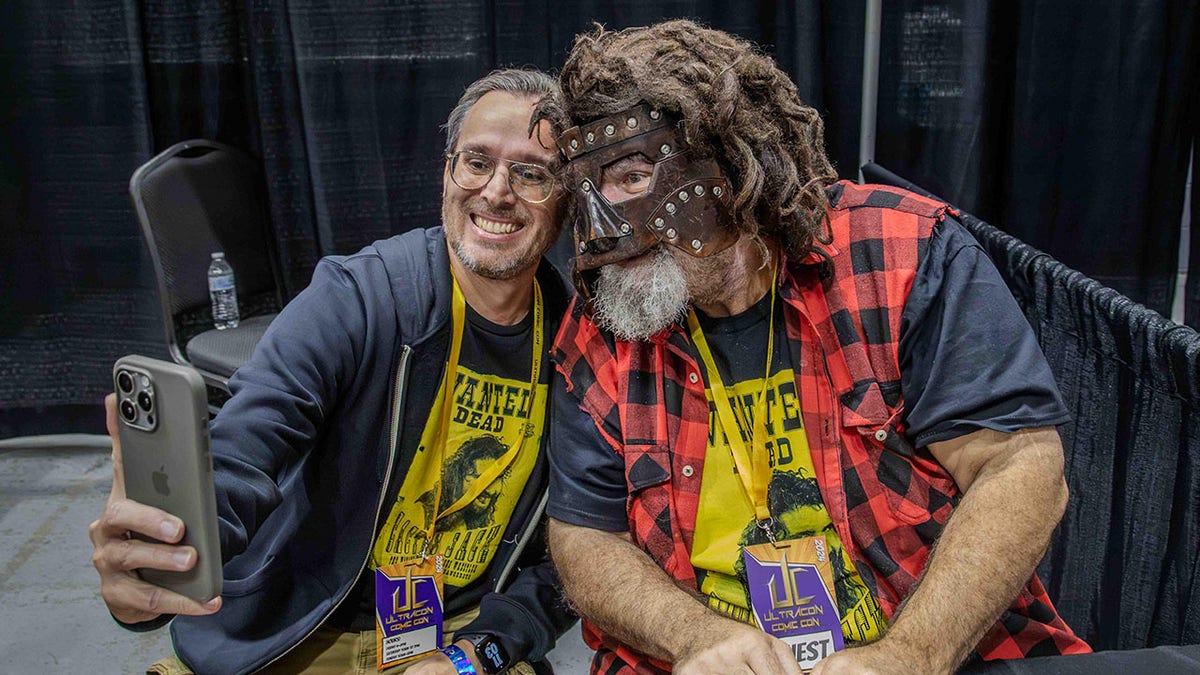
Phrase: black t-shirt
[486,348]
[968,359]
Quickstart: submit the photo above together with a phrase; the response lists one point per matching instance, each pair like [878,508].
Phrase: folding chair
[194,198]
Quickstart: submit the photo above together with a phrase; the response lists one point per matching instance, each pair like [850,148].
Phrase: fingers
[112,424]
[110,415]
[786,658]
[764,662]
[127,555]
[117,559]
[774,658]
[122,516]
[748,651]
[132,600]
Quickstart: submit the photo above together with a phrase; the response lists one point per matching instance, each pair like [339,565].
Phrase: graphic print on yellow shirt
[490,414]
[725,520]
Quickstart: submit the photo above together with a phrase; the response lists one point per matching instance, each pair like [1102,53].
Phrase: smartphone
[163,427]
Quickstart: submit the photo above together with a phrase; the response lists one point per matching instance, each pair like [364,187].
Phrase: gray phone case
[167,463]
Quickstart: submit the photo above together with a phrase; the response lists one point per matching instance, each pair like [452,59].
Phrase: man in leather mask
[639,189]
[761,356]
[642,190]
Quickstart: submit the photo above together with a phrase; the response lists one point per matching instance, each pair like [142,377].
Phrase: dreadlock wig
[735,105]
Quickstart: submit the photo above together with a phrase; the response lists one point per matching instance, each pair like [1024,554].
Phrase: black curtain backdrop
[1066,123]
[341,103]
[1123,567]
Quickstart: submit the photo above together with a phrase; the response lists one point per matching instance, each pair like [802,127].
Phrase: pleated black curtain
[342,103]
[1062,122]
[1066,123]
[1191,305]
[1124,566]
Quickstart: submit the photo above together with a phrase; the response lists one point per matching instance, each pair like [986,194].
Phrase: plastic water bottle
[223,291]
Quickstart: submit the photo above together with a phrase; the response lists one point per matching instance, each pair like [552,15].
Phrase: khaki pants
[329,651]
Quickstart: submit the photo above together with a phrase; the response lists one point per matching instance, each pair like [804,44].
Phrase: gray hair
[525,82]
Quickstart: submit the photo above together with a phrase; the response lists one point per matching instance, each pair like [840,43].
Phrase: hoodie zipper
[511,563]
[393,438]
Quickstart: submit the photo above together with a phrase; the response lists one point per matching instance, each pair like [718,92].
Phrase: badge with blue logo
[792,595]
[408,610]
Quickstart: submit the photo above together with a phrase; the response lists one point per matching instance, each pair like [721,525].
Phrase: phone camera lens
[144,401]
[124,382]
[128,411]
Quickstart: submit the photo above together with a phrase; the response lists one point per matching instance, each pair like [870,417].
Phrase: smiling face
[492,232]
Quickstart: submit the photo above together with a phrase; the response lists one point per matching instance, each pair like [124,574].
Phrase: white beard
[638,302]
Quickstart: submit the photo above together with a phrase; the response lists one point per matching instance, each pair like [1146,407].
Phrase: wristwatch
[488,650]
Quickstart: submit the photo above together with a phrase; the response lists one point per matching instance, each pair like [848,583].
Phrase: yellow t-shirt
[491,413]
[725,520]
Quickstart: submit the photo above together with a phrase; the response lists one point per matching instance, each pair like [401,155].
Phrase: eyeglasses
[472,170]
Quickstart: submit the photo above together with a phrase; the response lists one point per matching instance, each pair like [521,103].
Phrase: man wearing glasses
[389,428]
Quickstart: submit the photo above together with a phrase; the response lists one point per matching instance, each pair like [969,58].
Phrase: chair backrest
[192,199]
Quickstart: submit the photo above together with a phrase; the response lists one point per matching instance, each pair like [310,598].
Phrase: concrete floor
[51,615]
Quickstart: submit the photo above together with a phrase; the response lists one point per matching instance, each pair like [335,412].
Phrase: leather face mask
[683,202]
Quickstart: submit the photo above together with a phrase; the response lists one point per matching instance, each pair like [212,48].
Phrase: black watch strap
[488,651]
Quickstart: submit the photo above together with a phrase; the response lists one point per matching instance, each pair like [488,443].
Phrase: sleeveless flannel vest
[888,500]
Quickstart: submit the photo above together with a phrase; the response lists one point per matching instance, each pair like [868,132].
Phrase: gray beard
[510,269]
[637,303]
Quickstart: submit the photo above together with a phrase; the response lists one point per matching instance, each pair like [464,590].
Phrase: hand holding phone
[156,546]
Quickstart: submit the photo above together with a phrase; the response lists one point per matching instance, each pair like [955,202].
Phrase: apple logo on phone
[160,482]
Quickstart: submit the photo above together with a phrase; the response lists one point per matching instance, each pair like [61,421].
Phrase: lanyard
[751,459]
[458,317]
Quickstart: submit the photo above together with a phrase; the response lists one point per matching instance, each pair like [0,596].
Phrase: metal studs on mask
[671,233]
[697,244]
[591,138]
[670,207]
[610,130]
[665,149]
[717,191]
[626,228]
[658,223]
[574,144]
[683,195]
[699,190]
[631,122]
[582,247]
[586,186]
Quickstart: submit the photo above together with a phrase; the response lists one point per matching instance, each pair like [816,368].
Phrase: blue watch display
[459,658]
[490,654]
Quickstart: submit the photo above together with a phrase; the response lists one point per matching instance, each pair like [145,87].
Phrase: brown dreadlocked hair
[735,104]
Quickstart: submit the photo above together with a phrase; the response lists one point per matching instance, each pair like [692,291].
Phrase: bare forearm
[986,553]
[618,587]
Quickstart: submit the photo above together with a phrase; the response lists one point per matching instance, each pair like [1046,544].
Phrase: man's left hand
[438,663]
[877,658]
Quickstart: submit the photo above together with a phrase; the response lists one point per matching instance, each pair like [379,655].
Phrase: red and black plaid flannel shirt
[888,500]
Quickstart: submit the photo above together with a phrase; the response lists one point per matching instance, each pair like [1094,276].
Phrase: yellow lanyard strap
[458,316]
[751,459]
